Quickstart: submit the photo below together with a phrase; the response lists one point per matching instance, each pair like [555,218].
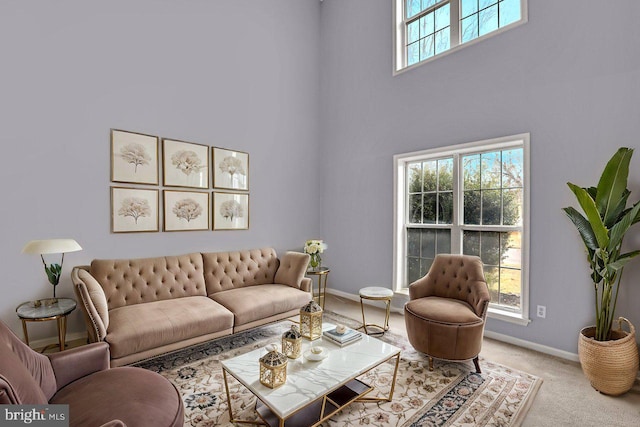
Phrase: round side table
[322,273]
[47,310]
[376,293]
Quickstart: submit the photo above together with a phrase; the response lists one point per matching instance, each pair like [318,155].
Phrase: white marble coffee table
[314,391]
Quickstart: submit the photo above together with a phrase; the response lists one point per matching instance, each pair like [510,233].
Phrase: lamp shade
[51,246]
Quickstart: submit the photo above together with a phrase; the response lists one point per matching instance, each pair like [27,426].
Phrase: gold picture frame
[185,164]
[134,157]
[230,169]
[186,210]
[134,210]
[230,211]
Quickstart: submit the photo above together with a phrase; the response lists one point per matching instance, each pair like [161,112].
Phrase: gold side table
[44,310]
[322,273]
[376,293]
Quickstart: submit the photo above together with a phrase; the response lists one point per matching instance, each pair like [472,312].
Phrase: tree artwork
[231,209]
[135,154]
[135,207]
[232,165]
[187,209]
[187,162]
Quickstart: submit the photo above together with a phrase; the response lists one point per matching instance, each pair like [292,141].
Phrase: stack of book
[348,337]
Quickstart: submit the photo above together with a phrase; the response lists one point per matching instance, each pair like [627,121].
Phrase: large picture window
[470,199]
[428,28]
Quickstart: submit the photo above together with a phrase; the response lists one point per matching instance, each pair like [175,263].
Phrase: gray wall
[306,88]
[231,73]
[570,77]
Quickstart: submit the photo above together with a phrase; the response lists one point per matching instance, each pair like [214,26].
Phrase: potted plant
[609,357]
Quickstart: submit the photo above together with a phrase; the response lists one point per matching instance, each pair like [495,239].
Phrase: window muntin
[487,189]
[427,28]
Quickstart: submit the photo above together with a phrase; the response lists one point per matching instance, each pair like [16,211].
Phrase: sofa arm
[306,284]
[73,364]
[420,288]
[92,301]
[293,266]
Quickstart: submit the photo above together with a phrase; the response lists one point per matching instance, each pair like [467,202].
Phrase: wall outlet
[542,311]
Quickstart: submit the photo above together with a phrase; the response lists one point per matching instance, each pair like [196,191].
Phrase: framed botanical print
[134,210]
[134,157]
[185,164]
[230,211]
[186,210]
[230,169]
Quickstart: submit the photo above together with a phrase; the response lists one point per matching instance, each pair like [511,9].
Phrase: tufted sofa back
[135,281]
[228,270]
[455,276]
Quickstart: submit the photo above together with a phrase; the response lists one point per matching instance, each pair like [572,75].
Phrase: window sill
[507,316]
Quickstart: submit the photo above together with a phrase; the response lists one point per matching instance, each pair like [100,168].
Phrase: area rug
[450,395]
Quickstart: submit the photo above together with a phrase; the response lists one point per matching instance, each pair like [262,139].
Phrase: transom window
[469,199]
[428,28]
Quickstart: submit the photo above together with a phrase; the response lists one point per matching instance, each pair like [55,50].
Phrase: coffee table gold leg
[226,389]
[389,398]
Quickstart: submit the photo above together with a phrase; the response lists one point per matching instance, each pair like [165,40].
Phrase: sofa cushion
[292,269]
[229,270]
[443,310]
[258,302]
[140,327]
[134,281]
[142,398]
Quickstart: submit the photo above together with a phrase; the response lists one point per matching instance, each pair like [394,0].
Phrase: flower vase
[315,262]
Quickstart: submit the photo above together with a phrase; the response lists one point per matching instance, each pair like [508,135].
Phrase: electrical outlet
[542,311]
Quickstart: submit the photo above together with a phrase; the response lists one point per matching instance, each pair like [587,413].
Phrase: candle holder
[311,321]
[273,367]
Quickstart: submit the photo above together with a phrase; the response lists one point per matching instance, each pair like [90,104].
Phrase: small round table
[376,293]
[322,273]
[47,310]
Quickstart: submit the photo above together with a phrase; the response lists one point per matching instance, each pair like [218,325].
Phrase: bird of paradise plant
[602,228]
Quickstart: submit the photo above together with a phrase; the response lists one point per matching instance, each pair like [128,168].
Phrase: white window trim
[399,51]
[399,240]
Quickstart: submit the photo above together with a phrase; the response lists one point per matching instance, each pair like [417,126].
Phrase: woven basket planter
[611,366]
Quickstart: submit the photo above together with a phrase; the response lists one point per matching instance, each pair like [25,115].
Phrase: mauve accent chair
[447,309]
[81,378]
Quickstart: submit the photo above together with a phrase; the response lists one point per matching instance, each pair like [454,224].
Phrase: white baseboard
[41,343]
[489,334]
[532,346]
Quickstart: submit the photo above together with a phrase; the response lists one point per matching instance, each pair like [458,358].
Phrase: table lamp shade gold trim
[51,246]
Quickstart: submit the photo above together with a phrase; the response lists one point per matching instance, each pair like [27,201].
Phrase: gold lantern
[292,342]
[311,320]
[273,367]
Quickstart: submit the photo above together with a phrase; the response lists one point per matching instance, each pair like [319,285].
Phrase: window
[470,199]
[427,28]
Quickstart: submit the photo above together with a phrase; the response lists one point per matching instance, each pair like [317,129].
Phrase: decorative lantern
[311,320]
[292,342]
[273,367]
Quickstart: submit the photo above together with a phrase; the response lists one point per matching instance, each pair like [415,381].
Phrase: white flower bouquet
[314,247]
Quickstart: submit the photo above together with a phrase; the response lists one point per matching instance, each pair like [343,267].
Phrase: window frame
[400,24]
[401,207]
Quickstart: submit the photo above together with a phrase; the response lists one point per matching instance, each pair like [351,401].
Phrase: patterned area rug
[451,395]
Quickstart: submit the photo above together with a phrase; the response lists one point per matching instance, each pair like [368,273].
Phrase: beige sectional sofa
[148,306]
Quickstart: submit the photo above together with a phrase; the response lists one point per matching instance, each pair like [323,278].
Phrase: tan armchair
[447,309]
[81,378]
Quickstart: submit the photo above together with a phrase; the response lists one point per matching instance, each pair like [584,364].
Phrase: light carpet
[450,395]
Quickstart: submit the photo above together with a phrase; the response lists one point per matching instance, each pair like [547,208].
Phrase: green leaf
[612,184]
[588,206]
[622,261]
[620,228]
[583,226]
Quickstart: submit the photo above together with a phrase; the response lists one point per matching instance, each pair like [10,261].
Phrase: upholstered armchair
[447,309]
[81,378]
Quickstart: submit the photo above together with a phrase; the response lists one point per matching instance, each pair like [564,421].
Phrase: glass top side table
[322,273]
[44,310]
